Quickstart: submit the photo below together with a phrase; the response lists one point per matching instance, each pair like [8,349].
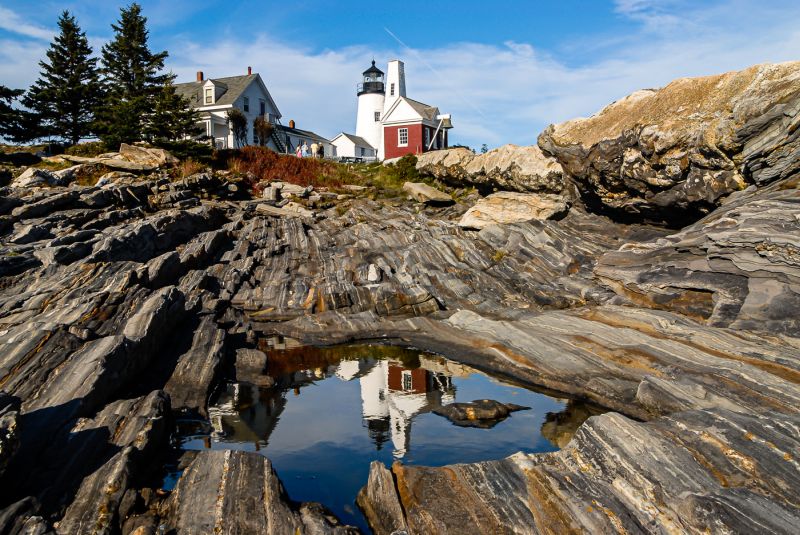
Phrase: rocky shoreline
[120,304]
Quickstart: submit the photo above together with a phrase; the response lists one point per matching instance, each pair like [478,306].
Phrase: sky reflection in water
[334,410]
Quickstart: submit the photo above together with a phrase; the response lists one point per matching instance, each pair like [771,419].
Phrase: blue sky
[505,70]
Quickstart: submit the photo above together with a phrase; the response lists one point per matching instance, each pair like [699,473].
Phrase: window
[246,104]
[262,107]
[427,138]
[363,152]
[209,95]
[408,381]
[377,116]
[402,137]
[391,90]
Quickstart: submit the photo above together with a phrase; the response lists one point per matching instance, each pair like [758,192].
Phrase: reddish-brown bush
[263,165]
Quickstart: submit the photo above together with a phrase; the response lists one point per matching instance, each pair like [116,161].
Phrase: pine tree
[131,79]
[16,124]
[9,117]
[68,89]
[173,117]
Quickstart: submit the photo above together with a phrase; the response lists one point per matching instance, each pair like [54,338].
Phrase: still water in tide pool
[334,410]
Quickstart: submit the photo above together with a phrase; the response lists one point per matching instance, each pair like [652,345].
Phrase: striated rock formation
[239,492]
[120,304]
[738,267]
[699,471]
[509,207]
[510,167]
[422,192]
[671,154]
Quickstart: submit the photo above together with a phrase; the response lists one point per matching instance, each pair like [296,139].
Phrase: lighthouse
[389,124]
[371,96]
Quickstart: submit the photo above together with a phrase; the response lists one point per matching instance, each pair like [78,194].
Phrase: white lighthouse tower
[371,95]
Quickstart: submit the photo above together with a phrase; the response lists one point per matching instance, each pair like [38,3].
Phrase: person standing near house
[299,151]
[305,149]
[315,150]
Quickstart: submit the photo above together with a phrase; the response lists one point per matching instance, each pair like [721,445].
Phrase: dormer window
[209,95]
[246,104]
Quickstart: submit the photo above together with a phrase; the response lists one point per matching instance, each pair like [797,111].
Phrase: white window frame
[408,381]
[209,95]
[400,135]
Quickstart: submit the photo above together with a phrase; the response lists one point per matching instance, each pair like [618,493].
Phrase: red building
[411,127]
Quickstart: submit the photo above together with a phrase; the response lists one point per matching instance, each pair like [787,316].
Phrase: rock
[424,193]
[114,176]
[484,413]
[251,367]
[33,177]
[146,156]
[510,167]
[9,434]
[736,268]
[30,233]
[239,492]
[192,382]
[509,207]
[113,163]
[70,173]
[299,209]
[670,155]
[693,472]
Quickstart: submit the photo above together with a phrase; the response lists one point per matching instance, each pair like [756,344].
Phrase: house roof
[425,111]
[301,133]
[358,140]
[233,87]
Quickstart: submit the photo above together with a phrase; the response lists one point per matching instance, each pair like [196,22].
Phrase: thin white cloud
[12,22]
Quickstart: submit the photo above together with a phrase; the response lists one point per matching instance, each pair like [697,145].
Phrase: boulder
[510,207]
[146,156]
[239,492]
[510,167]
[483,413]
[33,177]
[670,155]
[114,176]
[424,193]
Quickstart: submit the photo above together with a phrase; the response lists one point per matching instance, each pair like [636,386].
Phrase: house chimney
[291,123]
[199,76]
[249,71]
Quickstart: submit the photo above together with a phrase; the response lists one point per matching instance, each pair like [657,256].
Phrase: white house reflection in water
[392,393]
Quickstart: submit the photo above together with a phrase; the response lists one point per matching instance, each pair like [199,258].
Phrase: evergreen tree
[68,89]
[9,117]
[131,80]
[173,117]
[16,124]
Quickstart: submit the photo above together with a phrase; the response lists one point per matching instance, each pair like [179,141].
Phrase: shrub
[91,149]
[262,164]
[186,149]
[190,167]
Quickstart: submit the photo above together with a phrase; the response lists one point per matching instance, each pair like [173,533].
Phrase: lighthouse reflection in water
[321,415]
